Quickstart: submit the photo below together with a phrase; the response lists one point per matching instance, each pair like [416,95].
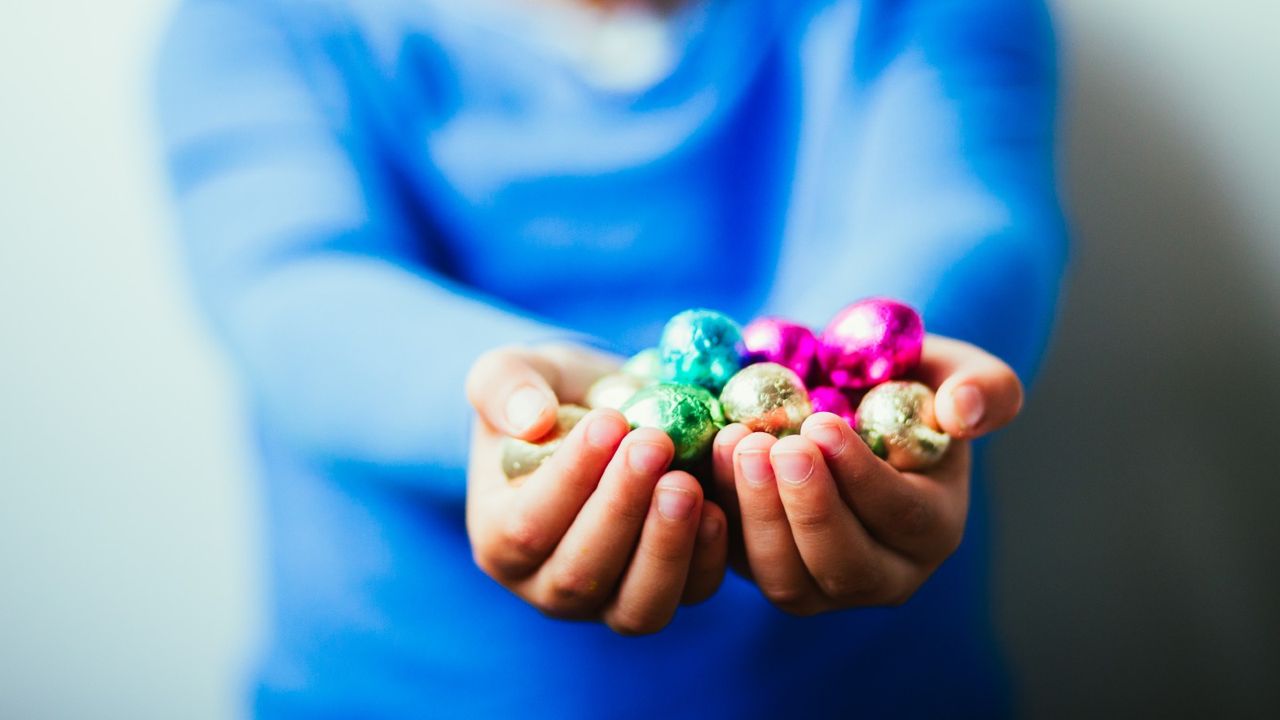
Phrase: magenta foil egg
[870,342]
[829,399]
[779,341]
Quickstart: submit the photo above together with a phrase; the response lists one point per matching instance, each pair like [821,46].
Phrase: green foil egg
[521,457]
[767,397]
[896,421]
[702,348]
[685,413]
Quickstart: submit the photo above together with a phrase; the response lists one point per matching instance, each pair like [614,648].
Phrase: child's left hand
[823,524]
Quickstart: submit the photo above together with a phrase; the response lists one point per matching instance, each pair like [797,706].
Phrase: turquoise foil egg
[703,348]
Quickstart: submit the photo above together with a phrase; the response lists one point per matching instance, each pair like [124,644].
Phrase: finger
[977,392]
[706,570]
[532,518]
[582,573]
[574,368]
[845,562]
[772,557]
[920,516]
[723,490]
[651,588]
[512,395]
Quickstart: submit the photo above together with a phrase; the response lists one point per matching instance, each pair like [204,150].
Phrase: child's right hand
[601,531]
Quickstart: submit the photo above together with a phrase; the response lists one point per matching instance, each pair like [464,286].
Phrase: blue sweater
[373,192]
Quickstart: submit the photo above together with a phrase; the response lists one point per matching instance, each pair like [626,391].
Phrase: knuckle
[522,543]
[485,561]
[632,623]
[557,609]
[788,598]
[805,516]
[570,589]
[864,584]
[844,587]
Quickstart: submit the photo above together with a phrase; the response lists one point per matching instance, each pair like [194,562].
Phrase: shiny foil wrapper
[766,397]
[896,421]
[788,344]
[702,348]
[614,390]
[521,457]
[645,364]
[832,400]
[870,342]
[687,414]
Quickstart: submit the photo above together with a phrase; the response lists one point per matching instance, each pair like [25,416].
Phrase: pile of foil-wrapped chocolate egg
[770,376]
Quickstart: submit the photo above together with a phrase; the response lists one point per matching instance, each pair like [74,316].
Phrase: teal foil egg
[685,413]
[702,348]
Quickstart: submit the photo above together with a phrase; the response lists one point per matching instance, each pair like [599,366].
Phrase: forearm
[356,359]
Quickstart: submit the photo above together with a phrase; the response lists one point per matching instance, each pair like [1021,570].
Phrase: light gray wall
[1136,566]
[1139,547]
[127,534]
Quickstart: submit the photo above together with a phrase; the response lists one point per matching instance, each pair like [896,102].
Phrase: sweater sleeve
[353,343]
[951,200]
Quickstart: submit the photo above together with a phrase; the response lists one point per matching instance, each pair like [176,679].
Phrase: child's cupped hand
[820,523]
[603,531]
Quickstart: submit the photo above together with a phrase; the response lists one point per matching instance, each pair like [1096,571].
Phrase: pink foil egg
[829,399]
[779,341]
[870,342]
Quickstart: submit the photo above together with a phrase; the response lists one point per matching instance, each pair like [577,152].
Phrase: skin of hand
[820,523]
[602,530]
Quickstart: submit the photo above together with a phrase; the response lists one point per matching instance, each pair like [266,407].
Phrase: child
[379,195]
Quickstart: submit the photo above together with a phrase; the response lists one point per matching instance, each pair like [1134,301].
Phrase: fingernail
[647,458]
[675,504]
[524,407]
[969,405]
[710,529]
[603,431]
[828,437]
[756,469]
[793,467]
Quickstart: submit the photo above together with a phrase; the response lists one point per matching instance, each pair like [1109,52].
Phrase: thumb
[512,394]
[977,392]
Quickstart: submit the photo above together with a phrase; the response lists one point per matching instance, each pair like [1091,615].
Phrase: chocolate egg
[766,397]
[829,399]
[870,342]
[896,421]
[614,390]
[684,412]
[521,457]
[788,344]
[702,348]
[646,364]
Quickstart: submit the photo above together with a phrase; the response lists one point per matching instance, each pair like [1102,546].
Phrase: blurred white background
[1134,504]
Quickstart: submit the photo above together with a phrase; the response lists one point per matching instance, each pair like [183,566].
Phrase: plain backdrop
[1137,567]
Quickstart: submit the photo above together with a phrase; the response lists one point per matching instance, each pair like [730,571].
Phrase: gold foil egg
[766,397]
[646,364]
[614,390]
[896,421]
[521,457]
